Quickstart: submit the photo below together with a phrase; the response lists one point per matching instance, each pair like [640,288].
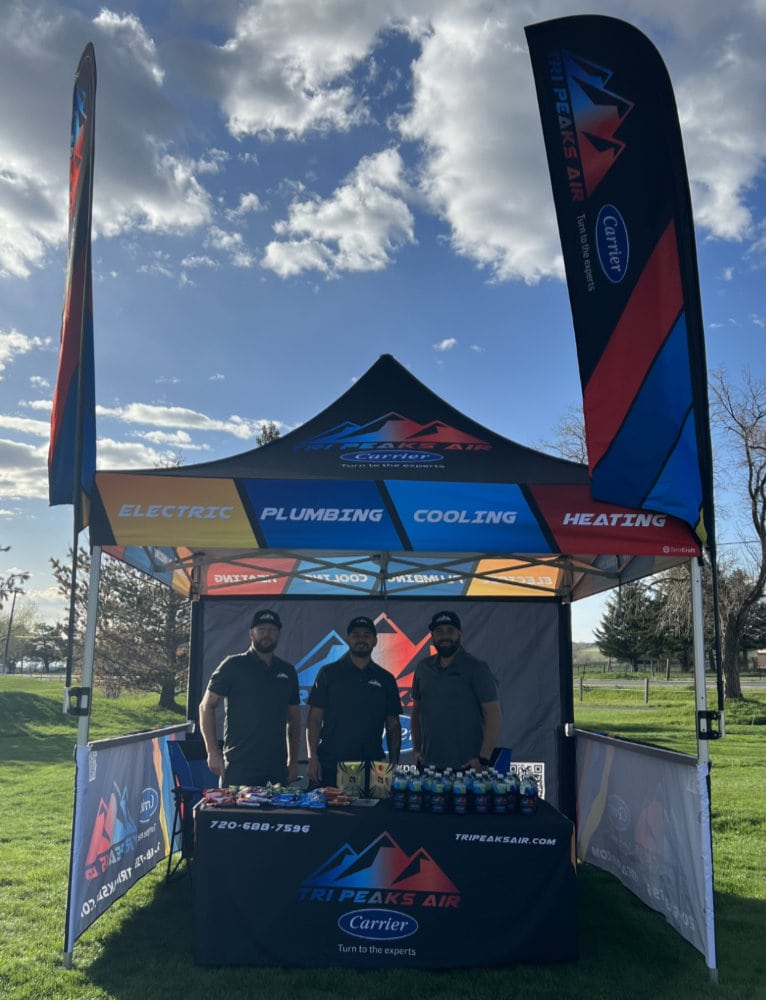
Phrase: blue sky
[286,190]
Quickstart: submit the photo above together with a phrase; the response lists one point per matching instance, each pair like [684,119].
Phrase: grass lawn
[141,948]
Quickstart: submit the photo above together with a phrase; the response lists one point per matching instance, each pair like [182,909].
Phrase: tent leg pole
[89,644]
[703,758]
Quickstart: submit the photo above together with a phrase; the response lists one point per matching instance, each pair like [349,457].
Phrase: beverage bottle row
[463,792]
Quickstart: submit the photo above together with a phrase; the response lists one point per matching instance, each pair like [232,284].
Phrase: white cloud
[199,260]
[23,470]
[13,344]
[475,113]
[142,181]
[178,418]
[285,68]
[446,345]
[249,202]
[172,439]
[357,229]
[24,425]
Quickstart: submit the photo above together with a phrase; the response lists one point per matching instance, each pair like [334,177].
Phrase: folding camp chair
[191,777]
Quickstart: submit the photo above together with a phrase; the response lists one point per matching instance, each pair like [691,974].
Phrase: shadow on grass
[22,711]
[625,950]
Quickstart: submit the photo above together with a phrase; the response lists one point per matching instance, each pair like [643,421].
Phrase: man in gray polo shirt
[455,710]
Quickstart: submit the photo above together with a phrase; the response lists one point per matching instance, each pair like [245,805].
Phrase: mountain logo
[392,431]
[381,873]
[597,115]
[395,652]
[113,835]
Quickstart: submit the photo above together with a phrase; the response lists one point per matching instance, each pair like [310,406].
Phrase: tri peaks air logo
[79,120]
[381,874]
[393,438]
[114,835]
[395,651]
[589,120]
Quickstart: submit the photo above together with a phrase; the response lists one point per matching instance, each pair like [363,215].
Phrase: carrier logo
[398,457]
[612,243]
[381,874]
[378,925]
[150,800]
[393,434]
[589,117]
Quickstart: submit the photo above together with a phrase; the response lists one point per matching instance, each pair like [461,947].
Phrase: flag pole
[72,454]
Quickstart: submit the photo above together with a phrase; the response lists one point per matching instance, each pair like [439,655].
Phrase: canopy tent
[393,495]
[389,491]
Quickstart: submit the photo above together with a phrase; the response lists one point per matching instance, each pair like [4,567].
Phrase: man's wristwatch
[484,761]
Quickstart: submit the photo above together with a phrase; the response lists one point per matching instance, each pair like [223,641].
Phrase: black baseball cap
[361,622]
[445,618]
[266,618]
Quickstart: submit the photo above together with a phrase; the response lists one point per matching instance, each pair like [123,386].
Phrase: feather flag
[72,454]
[620,188]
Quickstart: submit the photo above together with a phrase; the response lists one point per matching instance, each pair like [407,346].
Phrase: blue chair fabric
[191,776]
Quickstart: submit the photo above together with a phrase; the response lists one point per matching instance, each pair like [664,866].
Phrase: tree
[267,432]
[11,583]
[142,632]
[628,628]
[570,440]
[754,632]
[741,414]
[47,644]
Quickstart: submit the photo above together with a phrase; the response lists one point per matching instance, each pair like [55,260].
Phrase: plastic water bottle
[449,782]
[414,793]
[528,795]
[499,795]
[479,794]
[426,784]
[512,785]
[399,789]
[437,794]
[459,795]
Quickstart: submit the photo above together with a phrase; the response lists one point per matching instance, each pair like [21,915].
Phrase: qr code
[535,768]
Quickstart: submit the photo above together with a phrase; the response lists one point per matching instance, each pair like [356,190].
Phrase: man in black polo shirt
[262,720]
[455,710]
[350,703]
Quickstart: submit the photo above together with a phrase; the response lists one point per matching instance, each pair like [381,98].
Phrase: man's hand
[314,770]
[215,762]
[292,773]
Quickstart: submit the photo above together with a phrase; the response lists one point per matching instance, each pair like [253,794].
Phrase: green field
[141,948]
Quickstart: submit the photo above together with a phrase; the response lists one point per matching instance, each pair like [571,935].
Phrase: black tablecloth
[376,888]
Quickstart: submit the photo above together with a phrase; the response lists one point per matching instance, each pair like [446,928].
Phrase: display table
[377,888]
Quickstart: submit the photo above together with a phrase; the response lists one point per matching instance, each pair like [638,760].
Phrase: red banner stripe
[649,316]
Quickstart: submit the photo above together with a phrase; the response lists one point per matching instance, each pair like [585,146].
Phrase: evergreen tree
[627,631]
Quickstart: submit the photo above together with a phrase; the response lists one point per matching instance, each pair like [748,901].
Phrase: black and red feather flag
[621,192]
[72,454]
